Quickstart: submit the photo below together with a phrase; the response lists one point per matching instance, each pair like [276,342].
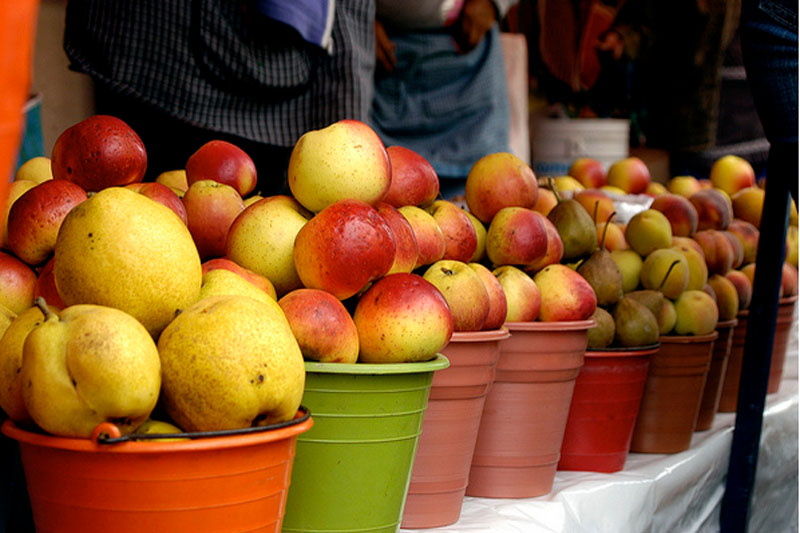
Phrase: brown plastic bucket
[236,482]
[729,396]
[525,414]
[450,429]
[712,391]
[783,324]
[605,403]
[672,394]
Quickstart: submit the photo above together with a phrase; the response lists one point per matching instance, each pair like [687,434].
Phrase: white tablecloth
[679,492]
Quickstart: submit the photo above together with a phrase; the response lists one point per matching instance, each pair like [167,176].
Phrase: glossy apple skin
[17,283]
[211,208]
[262,282]
[343,248]
[460,237]
[732,173]
[464,291]
[98,152]
[163,195]
[717,249]
[406,247]
[414,181]
[262,238]
[430,238]
[589,172]
[402,318]
[322,326]
[499,180]
[680,212]
[35,218]
[523,298]
[46,286]
[345,160]
[629,174]
[566,295]
[498,304]
[516,236]
[222,162]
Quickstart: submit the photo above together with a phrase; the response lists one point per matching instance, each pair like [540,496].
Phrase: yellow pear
[159,427]
[121,249]
[7,316]
[219,282]
[11,344]
[230,362]
[89,365]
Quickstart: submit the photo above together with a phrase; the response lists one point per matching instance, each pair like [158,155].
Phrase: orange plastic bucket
[235,482]
[712,391]
[783,324]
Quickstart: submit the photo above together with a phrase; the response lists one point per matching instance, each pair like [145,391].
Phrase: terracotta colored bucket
[729,396]
[523,422]
[450,429]
[236,482]
[712,391]
[608,392]
[353,468]
[672,394]
[783,323]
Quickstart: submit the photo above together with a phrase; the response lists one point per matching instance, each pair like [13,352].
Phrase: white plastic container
[557,142]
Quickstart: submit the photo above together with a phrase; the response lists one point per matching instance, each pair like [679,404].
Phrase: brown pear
[575,226]
[602,273]
[635,324]
[601,335]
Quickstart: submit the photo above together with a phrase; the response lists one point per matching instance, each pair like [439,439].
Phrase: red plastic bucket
[605,403]
[237,482]
[525,414]
[672,394]
[712,392]
[450,429]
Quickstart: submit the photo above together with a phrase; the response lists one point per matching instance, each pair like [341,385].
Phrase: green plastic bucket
[352,469]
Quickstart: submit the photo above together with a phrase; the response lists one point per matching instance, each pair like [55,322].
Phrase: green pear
[575,227]
[635,324]
[601,335]
[92,364]
[230,362]
[602,273]
[661,307]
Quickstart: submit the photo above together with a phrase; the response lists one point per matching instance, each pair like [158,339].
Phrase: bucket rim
[439,362]
[481,336]
[688,339]
[727,324]
[784,300]
[624,351]
[232,439]
[567,325]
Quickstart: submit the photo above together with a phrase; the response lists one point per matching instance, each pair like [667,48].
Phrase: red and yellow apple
[630,174]
[732,173]
[262,282]
[566,295]
[46,286]
[460,237]
[406,248]
[211,208]
[414,180]
[224,163]
[161,194]
[523,298]
[465,293]
[683,185]
[17,283]
[554,251]
[15,190]
[516,236]
[589,172]
[498,304]
[430,238]
[499,180]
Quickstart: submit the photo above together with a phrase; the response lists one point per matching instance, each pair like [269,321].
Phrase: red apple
[414,181]
[589,172]
[35,218]
[211,208]
[343,248]
[402,318]
[516,236]
[566,295]
[406,248]
[732,173]
[523,298]
[17,283]
[262,282]
[499,180]
[498,304]
[714,211]
[161,194]
[629,174]
[322,326]
[46,286]
[429,236]
[680,212]
[98,152]
[222,162]
[345,160]
[460,237]
[15,190]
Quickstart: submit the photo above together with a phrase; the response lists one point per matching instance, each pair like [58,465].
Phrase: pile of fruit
[191,303]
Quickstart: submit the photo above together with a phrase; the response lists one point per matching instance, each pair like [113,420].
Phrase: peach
[655,189]
[648,230]
[748,235]
[683,185]
[680,212]
[713,209]
[738,249]
[727,296]
[748,204]
[717,249]
[732,173]
[744,287]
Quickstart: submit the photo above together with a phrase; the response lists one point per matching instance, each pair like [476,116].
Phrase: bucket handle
[108,433]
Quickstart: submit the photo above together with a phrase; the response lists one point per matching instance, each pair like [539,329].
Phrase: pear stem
[594,215]
[553,188]
[605,228]
[42,305]
[669,270]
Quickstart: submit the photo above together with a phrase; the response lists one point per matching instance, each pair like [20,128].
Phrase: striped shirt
[219,65]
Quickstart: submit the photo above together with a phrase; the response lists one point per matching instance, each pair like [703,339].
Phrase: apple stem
[553,188]
[669,270]
[42,305]
[605,228]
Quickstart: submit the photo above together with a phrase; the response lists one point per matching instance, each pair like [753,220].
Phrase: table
[679,492]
